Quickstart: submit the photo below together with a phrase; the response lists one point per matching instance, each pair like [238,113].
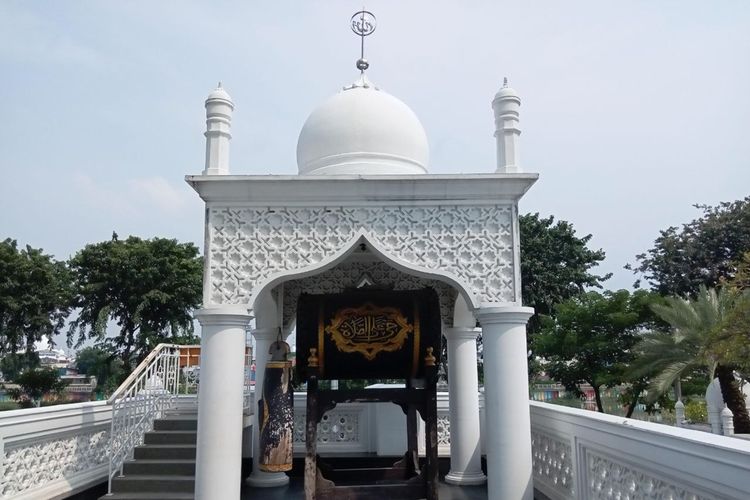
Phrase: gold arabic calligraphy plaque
[369,330]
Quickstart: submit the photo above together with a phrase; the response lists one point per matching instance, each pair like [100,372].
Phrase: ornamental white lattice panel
[608,477]
[248,245]
[32,464]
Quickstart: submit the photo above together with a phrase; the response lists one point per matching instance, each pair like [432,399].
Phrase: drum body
[276,418]
[368,334]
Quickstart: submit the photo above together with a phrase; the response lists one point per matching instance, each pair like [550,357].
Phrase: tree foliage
[556,265]
[102,364]
[148,287]
[35,384]
[14,363]
[731,339]
[589,338]
[701,252]
[35,296]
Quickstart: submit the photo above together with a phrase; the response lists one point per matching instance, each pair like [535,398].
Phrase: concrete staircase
[164,466]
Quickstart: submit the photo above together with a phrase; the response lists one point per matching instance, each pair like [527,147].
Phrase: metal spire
[363,24]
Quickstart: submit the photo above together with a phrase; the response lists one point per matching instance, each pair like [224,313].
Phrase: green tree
[556,265]
[35,384]
[590,337]
[701,252]
[102,364]
[35,295]
[689,346]
[148,287]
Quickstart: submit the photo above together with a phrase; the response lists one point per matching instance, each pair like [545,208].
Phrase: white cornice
[310,190]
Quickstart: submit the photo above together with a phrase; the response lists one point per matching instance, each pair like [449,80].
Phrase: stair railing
[144,396]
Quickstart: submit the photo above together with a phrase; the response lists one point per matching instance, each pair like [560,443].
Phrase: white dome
[362,130]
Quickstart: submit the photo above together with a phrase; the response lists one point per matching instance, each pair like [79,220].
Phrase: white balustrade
[53,451]
[580,454]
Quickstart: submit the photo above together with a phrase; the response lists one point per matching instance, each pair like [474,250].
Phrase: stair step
[149,496]
[140,483]
[176,423]
[170,437]
[159,467]
[164,451]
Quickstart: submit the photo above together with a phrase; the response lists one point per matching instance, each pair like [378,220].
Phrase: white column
[219,443]
[507,434]
[267,331]
[466,450]
[466,453]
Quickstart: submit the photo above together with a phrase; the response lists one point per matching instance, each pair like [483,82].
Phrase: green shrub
[696,411]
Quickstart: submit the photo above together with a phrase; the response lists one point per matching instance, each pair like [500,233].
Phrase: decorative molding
[247,245]
[444,431]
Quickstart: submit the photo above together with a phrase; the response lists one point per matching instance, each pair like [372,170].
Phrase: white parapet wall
[55,451]
[580,454]
[378,428]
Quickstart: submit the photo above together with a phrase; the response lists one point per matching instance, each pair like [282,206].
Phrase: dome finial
[219,85]
[363,24]
[505,82]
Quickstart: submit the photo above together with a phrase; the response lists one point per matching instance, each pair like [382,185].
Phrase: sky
[631,111]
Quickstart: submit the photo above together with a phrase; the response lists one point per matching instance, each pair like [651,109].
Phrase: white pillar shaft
[220,401]
[466,451]
[506,400]
[264,337]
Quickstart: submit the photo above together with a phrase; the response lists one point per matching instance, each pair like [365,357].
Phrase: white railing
[53,451]
[581,454]
[144,396]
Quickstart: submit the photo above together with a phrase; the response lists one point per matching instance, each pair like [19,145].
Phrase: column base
[465,478]
[260,479]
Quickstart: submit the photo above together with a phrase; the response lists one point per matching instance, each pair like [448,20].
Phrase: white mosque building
[365,205]
[362,209]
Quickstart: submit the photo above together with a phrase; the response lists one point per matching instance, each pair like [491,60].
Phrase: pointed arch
[362,237]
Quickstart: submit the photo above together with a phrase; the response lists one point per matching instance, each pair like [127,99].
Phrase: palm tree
[690,345]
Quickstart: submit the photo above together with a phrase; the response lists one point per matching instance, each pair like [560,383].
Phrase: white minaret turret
[219,107]
[505,105]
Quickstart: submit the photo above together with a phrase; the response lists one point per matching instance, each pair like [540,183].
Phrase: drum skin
[368,334]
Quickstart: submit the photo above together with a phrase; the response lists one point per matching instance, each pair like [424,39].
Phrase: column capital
[503,314]
[226,315]
[270,333]
[461,333]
